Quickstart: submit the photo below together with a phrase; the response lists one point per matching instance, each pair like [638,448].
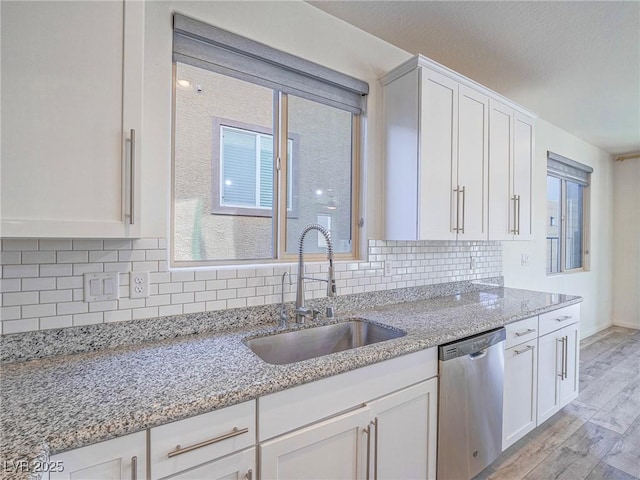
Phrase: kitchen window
[567,214]
[240,109]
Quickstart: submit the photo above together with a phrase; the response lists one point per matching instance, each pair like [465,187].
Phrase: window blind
[564,167]
[205,46]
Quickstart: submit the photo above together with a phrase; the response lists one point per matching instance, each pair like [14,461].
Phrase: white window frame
[563,170]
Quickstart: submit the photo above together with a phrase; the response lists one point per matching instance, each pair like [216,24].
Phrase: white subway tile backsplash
[11,258]
[33,284]
[9,313]
[60,321]
[20,271]
[38,257]
[87,319]
[32,287]
[21,298]
[35,311]
[67,308]
[10,285]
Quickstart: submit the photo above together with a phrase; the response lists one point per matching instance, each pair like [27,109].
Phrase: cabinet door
[522,164]
[501,204]
[549,359]
[520,391]
[71,93]
[569,382]
[239,466]
[337,449]
[437,169]
[473,164]
[405,433]
[122,458]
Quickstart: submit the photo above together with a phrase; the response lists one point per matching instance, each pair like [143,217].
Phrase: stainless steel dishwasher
[470,404]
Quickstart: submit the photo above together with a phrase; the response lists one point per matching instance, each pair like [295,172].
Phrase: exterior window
[567,200]
[244,170]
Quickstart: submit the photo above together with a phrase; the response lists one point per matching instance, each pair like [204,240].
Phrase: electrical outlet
[472,263]
[524,260]
[388,268]
[139,285]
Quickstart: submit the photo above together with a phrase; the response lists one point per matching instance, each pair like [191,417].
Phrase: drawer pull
[562,319]
[519,352]
[526,332]
[249,475]
[234,433]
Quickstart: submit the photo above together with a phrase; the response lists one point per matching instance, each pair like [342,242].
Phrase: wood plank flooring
[597,436]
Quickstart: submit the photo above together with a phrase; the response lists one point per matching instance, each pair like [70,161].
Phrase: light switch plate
[524,260]
[99,287]
[139,285]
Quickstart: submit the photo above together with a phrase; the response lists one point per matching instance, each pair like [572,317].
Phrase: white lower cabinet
[540,370]
[188,448]
[520,391]
[123,458]
[337,448]
[391,437]
[239,466]
[405,433]
[557,370]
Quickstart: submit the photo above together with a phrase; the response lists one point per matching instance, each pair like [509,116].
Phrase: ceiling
[576,64]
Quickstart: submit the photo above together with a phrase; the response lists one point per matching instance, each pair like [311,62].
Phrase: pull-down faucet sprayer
[302,311]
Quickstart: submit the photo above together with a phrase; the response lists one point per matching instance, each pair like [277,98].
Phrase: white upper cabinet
[442,132]
[510,162]
[71,105]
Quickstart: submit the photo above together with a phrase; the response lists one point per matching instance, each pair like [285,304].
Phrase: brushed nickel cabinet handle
[375,450]
[561,374]
[464,199]
[134,468]
[367,432]
[564,318]
[566,357]
[514,230]
[132,176]
[457,192]
[526,332]
[518,210]
[234,433]
[519,352]
[249,474]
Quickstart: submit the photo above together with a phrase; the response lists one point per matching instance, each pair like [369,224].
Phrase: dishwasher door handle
[478,355]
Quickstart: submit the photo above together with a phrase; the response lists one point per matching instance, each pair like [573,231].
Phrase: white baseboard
[626,325]
[584,334]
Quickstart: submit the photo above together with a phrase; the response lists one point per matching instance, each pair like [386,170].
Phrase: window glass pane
[322,170]
[554,215]
[238,166]
[573,226]
[266,171]
[204,227]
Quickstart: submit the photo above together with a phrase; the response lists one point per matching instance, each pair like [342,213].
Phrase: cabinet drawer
[201,439]
[552,321]
[521,331]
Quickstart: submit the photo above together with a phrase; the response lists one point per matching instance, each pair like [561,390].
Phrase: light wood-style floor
[597,436]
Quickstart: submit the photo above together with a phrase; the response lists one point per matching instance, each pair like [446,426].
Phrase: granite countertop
[53,405]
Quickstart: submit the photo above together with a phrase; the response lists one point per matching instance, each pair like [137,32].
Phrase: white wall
[595,285]
[626,243]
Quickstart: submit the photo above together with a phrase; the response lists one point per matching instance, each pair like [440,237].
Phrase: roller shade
[211,48]
[564,167]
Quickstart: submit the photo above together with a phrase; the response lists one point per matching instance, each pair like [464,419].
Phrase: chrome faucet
[284,318]
[301,311]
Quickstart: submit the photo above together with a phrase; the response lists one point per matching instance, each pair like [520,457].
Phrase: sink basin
[298,345]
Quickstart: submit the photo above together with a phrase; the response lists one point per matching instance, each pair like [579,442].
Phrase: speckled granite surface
[66,402]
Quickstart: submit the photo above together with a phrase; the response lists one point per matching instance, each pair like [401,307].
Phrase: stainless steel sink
[298,345]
